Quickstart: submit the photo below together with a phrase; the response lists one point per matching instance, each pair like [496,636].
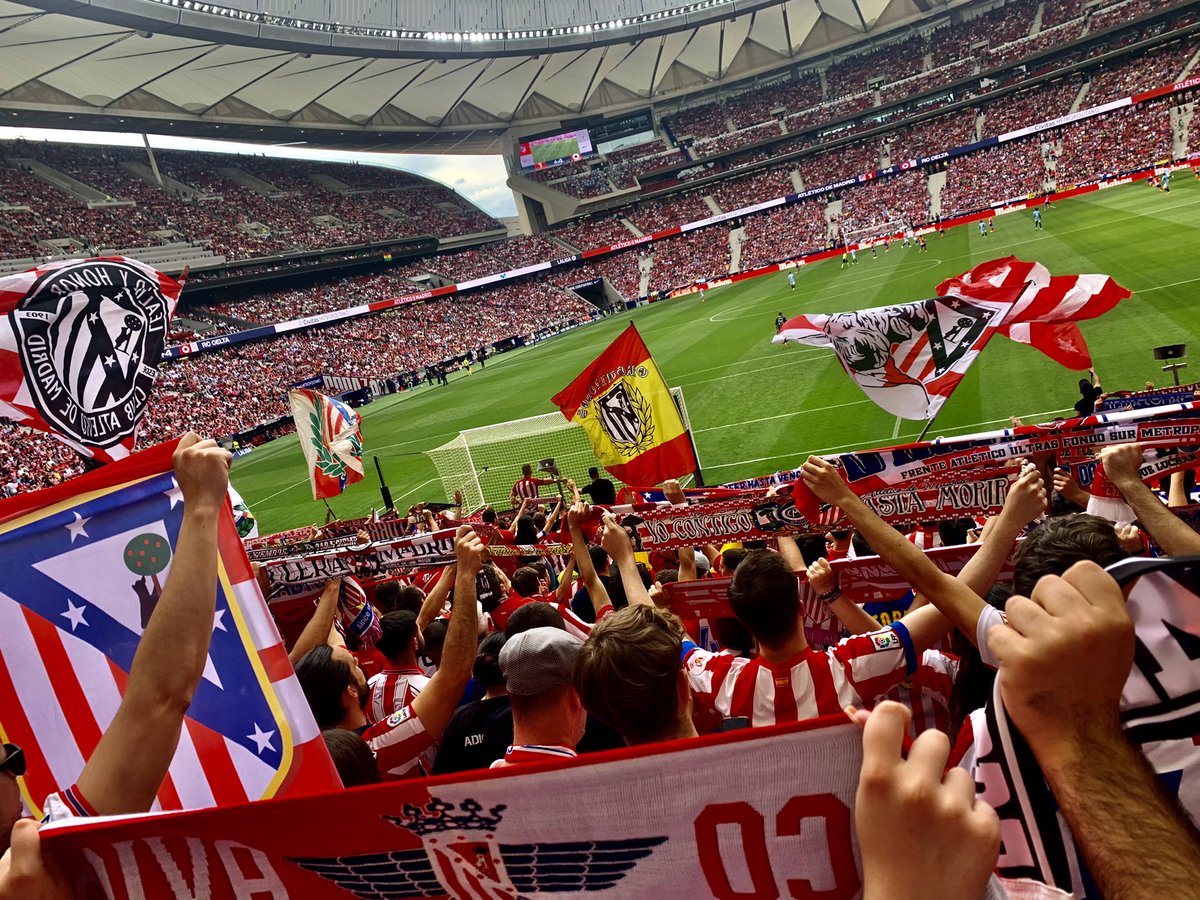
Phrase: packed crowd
[496,662]
[254,208]
[885,206]
[783,232]
[1128,139]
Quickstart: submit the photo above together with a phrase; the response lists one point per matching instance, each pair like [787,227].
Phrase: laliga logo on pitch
[85,334]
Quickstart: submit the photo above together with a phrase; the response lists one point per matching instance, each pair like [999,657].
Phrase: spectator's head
[387,596]
[400,639]
[732,635]
[411,598]
[539,521]
[593,473]
[629,675]
[527,471]
[537,672]
[334,685]
[525,582]
[537,614]
[765,597]
[353,759]
[1060,542]
[599,560]
[488,516]
[730,559]
[526,532]
[435,638]
[486,670]
[953,532]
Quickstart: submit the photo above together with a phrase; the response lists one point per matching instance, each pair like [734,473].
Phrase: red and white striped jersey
[529,488]
[858,671]
[927,693]
[925,538]
[399,742]
[392,690]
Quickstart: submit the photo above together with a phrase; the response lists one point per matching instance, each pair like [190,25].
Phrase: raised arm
[432,605]
[439,698]
[563,591]
[673,491]
[316,632]
[1121,463]
[1064,660]
[852,616]
[128,765]
[790,551]
[616,544]
[924,625]
[597,592]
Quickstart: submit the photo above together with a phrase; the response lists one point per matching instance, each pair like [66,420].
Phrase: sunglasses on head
[14,760]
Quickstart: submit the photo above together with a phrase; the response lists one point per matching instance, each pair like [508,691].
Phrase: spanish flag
[626,408]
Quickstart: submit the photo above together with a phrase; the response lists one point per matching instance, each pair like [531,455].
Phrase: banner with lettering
[634,822]
[1150,398]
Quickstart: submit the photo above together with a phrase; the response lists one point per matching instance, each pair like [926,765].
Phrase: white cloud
[481,179]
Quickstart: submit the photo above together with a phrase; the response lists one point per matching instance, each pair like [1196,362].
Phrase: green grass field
[756,407]
[544,153]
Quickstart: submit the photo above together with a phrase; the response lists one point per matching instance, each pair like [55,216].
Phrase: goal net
[485,462]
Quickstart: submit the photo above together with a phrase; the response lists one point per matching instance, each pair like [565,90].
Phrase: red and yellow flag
[627,410]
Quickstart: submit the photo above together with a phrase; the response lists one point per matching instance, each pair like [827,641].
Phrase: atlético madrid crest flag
[331,441]
[629,415]
[80,341]
[85,566]
[910,357]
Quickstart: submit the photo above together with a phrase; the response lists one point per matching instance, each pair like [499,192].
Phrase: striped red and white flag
[88,560]
[910,357]
[80,341]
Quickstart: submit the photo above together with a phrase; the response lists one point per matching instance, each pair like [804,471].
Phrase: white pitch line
[798,412]
[824,450]
[417,488]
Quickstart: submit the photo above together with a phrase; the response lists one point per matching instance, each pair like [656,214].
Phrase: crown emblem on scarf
[438,816]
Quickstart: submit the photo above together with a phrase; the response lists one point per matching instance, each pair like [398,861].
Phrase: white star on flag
[76,527]
[175,494]
[262,739]
[218,625]
[74,615]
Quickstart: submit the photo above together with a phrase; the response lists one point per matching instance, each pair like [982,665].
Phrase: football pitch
[756,407]
[562,149]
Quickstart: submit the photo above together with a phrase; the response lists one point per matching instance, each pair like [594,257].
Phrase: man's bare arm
[439,698]
[1121,463]
[1064,660]
[316,632]
[853,617]
[432,605]
[127,767]
[597,592]
[616,544]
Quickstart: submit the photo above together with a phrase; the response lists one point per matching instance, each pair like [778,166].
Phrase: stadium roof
[456,75]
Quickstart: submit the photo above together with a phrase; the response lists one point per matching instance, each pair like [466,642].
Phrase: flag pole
[383,488]
[928,425]
[330,516]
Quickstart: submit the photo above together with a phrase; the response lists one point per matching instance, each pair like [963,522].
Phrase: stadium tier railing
[193,347]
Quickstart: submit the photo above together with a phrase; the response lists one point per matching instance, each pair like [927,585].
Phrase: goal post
[485,462]
[873,233]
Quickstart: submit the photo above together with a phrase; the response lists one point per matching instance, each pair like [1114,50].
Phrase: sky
[478,178]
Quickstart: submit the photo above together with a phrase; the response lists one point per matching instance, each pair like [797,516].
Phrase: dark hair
[487,661]
[387,596]
[435,634]
[526,533]
[527,470]
[599,558]
[812,548]
[324,680]
[488,516]
[645,574]
[953,532]
[732,558]
[536,614]
[397,632]
[1085,387]
[1059,543]
[539,521]
[353,759]
[411,598]
[593,472]
[525,581]
[666,576]
[754,545]
[764,595]
[862,547]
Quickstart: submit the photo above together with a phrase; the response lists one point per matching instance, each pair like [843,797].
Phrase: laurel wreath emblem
[645,438]
[326,461]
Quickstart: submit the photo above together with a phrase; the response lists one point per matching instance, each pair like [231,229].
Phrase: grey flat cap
[538,660]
